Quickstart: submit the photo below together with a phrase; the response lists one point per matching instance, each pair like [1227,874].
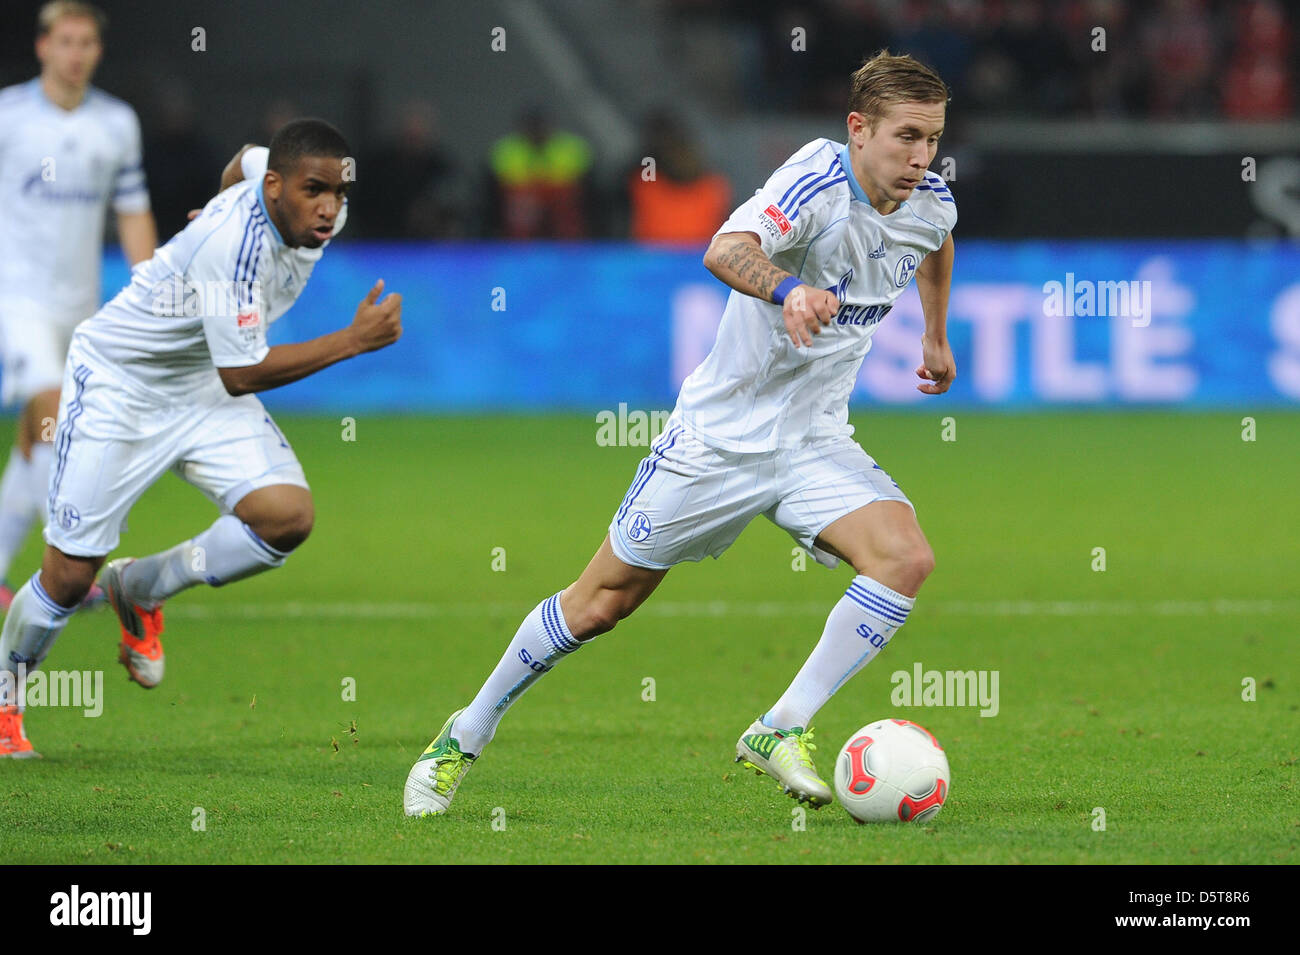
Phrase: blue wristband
[785,288]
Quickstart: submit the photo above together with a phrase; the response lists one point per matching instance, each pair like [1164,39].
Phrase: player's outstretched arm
[737,258]
[376,325]
[933,283]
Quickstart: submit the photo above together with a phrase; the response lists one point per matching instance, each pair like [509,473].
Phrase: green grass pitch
[1120,689]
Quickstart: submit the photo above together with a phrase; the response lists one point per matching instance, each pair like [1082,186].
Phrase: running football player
[815,260]
[164,377]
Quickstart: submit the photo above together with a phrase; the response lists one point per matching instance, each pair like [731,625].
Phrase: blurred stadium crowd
[542,177]
[1196,59]
[538,180]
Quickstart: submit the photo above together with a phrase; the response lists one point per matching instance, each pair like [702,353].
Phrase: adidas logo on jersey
[879,251]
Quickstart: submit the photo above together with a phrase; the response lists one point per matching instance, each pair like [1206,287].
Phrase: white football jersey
[59,171]
[204,301]
[755,391]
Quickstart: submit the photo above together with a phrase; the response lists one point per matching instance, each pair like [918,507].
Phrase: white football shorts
[33,344]
[689,500]
[110,447]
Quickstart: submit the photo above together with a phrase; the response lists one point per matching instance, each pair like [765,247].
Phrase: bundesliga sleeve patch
[774,218]
[249,319]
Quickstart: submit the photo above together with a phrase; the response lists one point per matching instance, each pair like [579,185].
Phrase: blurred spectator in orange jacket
[672,196]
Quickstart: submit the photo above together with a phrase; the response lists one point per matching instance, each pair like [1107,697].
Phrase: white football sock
[227,551]
[859,626]
[542,640]
[33,623]
[16,512]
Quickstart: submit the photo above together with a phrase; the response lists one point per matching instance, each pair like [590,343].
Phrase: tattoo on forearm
[748,263]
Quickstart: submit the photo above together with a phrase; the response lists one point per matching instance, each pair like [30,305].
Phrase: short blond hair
[56,10]
[885,79]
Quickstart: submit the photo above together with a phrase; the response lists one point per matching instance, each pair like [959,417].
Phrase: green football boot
[786,756]
[433,779]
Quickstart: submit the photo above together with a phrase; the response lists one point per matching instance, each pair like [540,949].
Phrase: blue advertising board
[492,326]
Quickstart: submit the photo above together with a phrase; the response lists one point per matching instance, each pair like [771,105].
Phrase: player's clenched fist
[937,367]
[806,310]
[378,324]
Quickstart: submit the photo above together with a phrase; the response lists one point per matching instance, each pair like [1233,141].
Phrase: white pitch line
[1221,606]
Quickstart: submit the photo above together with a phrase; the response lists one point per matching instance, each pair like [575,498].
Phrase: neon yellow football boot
[434,778]
[786,756]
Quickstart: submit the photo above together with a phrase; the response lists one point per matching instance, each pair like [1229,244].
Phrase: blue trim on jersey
[802,179]
[847,165]
[250,269]
[262,204]
[244,243]
[816,185]
[250,252]
[834,182]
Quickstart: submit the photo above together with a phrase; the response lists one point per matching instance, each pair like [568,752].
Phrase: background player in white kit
[162,378]
[67,152]
[815,260]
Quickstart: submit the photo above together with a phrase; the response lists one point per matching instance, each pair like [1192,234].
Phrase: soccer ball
[892,771]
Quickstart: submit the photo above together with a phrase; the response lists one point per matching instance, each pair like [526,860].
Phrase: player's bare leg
[39,612]
[282,515]
[607,591]
[882,541]
[266,525]
[67,578]
[25,484]
[884,544]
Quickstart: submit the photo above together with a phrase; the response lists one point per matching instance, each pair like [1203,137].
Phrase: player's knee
[67,581]
[68,592]
[600,615]
[924,561]
[904,568]
[912,566]
[295,527]
[289,526]
[593,621]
